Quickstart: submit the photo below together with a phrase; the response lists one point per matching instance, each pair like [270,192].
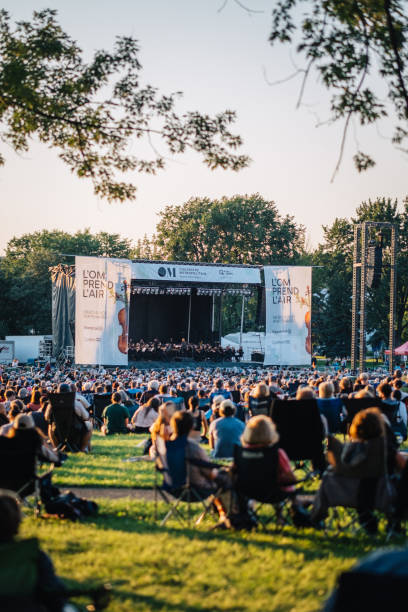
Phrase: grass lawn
[181,569]
[106,466]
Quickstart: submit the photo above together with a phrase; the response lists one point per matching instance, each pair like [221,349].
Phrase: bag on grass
[65,505]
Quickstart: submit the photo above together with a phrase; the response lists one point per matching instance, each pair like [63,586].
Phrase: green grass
[175,568]
[180,569]
[105,465]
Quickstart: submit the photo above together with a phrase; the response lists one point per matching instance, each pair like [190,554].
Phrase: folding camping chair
[19,469]
[333,411]
[256,478]
[173,464]
[355,405]
[360,500]
[261,405]
[62,419]
[100,401]
[301,432]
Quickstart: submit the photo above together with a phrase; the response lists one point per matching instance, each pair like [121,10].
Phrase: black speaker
[261,307]
[374,263]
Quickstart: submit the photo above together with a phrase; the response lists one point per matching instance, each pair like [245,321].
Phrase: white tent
[251,341]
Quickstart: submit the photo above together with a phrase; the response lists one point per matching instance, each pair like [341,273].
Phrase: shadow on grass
[154,603]
[310,543]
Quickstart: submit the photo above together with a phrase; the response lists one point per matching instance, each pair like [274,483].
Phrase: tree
[25,276]
[331,307]
[333,282]
[346,42]
[241,229]
[48,91]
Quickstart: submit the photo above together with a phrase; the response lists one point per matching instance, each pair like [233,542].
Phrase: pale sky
[218,60]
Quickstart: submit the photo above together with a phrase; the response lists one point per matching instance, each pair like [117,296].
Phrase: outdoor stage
[101,306]
[176,306]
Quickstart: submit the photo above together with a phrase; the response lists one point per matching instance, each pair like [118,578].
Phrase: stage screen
[166,316]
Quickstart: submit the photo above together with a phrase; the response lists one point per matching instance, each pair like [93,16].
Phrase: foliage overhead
[93,113]
[346,42]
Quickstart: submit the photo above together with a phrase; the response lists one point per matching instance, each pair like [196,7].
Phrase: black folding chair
[256,478]
[301,432]
[19,464]
[353,406]
[100,401]
[172,463]
[61,416]
[259,405]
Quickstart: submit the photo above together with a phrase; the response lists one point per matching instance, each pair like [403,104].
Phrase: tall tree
[331,307]
[92,112]
[347,42]
[25,276]
[241,229]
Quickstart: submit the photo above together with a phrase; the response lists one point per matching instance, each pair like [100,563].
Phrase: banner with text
[288,315]
[102,290]
[194,274]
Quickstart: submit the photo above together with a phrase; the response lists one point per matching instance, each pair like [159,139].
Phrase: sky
[220,59]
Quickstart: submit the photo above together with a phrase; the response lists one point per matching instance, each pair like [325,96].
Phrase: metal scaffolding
[359,314]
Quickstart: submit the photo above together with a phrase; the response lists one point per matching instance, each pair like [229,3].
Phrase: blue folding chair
[173,464]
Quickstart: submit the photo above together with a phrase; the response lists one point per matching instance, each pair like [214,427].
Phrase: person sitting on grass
[213,413]
[305,393]
[3,416]
[27,577]
[200,422]
[115,416]
[15,409]
[226,431]
[145,416]
[161,427]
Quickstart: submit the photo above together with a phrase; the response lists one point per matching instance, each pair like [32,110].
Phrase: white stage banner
[102,291]
[194,274]
[288,315]
[6,351]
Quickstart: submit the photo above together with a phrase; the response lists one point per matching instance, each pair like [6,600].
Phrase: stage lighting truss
[187,291]
[161,290]
[218,292]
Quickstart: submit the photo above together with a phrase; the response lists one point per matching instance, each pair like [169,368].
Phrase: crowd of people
[230,408]
[156,350]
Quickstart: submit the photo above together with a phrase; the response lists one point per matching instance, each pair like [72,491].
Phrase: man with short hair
[115,416]
[219,390]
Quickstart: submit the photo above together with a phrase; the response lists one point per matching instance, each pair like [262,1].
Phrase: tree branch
[398,59]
